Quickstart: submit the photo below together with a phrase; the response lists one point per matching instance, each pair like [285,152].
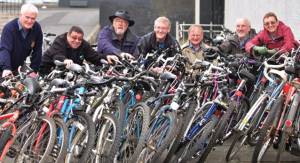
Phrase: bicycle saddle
[59,83]
[76,68]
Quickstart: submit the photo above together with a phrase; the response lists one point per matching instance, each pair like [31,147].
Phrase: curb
[92,37]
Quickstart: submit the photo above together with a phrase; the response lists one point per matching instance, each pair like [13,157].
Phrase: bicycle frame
[255,107]
[11,119]
[51,111]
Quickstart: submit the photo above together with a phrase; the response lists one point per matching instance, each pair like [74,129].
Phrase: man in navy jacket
[20,38]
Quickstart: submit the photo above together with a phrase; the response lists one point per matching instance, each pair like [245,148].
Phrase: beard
[120,31]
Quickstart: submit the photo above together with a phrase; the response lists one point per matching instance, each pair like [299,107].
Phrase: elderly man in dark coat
[117,39]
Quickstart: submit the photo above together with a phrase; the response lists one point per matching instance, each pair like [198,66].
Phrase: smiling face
[271,24]
[161,29]
[242,28]
[195,36]
[120,25]
[74,39]
[27,19]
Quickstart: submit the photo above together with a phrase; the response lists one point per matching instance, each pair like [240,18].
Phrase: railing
[10,7]
[209,30]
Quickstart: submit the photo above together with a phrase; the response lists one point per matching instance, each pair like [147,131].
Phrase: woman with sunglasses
[275,37]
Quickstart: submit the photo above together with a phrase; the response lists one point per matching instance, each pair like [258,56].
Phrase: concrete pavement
[59,20]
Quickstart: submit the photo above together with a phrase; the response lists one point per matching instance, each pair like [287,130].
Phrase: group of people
[23,37]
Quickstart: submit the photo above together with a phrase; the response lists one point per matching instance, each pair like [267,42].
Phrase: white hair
[162,19]
[244,20]
[28,7]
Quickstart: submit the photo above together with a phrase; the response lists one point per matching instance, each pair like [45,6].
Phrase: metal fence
[210,30]
[10,7]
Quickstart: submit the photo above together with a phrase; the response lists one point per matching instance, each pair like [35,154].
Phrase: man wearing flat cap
[117,38]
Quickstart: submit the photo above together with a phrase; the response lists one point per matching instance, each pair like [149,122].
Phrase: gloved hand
[6,73]
[126,56]
[272,51]
[260,50]
[68,62]
[112,59]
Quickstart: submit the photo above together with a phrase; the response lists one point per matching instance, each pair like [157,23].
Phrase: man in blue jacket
[117,39]
[20,38]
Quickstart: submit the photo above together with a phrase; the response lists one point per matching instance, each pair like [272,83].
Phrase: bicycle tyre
[86,127]
[183,122]
[219,132]
[31,141]
[266,134]
[281,146]
[5,136]
[238,141]
[63,149]
[253,130]
[168,138]
[206,134]
[105,153]
[145,113]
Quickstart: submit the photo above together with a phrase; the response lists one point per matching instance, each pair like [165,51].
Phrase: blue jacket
[109,44]
[14,48]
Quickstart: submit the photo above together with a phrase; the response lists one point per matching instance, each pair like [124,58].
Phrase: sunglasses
[269,23]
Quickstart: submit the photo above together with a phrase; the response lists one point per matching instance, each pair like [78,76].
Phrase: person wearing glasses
[158,40]
[70,48]
[117,39]
[275,37]
[20,38]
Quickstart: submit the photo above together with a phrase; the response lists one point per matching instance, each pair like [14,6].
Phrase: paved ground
[59,20]
[219,154]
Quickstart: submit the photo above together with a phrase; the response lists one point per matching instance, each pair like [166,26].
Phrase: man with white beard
[117,39]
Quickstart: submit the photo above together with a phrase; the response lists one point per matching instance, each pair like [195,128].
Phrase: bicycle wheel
[158,138]
[239,140]
[183,122]
[186,144]
[60,148]
[19,139]
[39,144]
[256,123]
[108,139]
[237,115]
[136,127]
[266,134]
[81,137]
[5,136]
[281,147]
[197,149]
[220,130]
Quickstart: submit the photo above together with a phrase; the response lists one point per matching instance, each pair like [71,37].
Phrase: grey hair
[195,26]
[245,20]
[162,19]
[28,7]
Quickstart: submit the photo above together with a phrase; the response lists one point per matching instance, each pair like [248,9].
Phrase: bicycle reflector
[288,123]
